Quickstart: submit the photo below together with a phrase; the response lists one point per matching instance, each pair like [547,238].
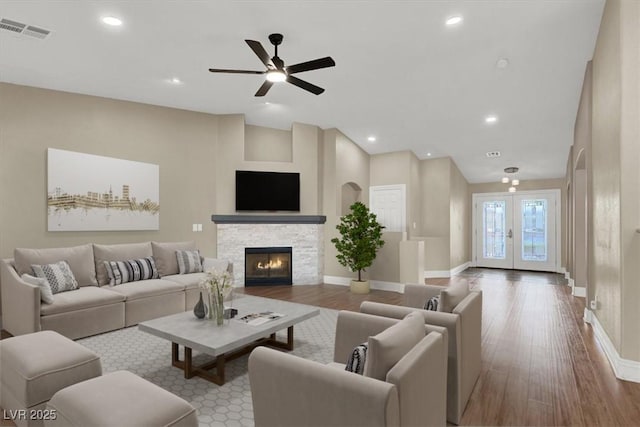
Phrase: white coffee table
[229,341]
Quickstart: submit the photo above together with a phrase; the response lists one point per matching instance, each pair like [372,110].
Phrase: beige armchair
[290,391]
[464,327]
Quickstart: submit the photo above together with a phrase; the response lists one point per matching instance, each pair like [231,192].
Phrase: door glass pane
[534,230]
[493,226]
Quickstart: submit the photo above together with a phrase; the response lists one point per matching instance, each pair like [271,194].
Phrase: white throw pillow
[46,296]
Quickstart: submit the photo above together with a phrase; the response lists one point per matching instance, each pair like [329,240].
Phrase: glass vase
[216,307]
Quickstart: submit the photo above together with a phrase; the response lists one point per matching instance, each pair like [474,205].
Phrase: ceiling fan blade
[257,48]
[219,70]
[311,65]
[264,88]
[305,85]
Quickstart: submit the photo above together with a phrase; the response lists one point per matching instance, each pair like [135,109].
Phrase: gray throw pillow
[189,262]
[58,275]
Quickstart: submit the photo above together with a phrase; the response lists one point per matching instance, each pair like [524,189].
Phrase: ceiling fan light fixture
[276,76]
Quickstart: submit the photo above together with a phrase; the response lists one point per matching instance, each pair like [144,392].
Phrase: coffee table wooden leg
[188,363]
[290,338]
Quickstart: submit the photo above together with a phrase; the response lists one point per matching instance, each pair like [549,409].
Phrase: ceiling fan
[276,70]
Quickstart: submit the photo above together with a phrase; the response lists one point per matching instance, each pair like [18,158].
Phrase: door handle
[510,234]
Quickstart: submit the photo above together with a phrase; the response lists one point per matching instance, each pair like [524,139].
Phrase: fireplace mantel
[269,219]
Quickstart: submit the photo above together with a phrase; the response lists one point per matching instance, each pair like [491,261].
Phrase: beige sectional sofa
[96,307]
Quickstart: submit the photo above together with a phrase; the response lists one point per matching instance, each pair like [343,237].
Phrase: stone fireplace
[304,234]
[267,266]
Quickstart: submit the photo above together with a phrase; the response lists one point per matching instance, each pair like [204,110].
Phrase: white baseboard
[579,291]
[447,273]
[459,269]
[430,274]
[374,284]
[624,369]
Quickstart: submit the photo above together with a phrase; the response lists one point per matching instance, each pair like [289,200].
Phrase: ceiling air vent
[24,29]
[36,32]
[493,154]
[7,24]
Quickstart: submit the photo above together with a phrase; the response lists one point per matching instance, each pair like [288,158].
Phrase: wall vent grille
[493,154]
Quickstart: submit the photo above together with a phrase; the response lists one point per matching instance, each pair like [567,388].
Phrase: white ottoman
[119,399]
[34,367]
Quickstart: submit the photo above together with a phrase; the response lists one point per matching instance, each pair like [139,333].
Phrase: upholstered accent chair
[404,381]
[463,321]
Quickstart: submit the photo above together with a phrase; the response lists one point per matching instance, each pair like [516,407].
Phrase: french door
[519,231]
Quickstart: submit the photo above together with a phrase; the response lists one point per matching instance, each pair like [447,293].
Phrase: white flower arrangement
[219,283]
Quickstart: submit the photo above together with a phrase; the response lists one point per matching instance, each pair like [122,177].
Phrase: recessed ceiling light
[454,20]
[175,81]
[428,154]
[267,103]
[371,139]
[112,20]
[502,63]
[491,119]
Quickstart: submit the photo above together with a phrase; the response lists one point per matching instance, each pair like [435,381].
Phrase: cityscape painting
[86,192]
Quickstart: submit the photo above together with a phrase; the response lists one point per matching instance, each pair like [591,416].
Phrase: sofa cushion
[80,259]
[189,281]
[390,345]
[46,296]
[165,255]
[147,288]
[215,264]
[189,262]
[58,275]
[85,297]
[131,270]
[453,295]
[120,252]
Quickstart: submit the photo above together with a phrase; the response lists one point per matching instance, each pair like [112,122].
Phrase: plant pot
[359,287]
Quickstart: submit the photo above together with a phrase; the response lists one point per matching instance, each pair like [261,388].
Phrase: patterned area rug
[228,405]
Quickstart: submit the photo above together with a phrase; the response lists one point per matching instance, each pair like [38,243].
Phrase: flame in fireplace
[272,264]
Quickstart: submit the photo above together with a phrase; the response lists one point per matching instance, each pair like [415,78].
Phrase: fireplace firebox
[267,266]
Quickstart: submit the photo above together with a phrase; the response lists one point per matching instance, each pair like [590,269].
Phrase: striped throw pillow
[432,303]
[356,361]
[131,270]
[58,275]
[189,262]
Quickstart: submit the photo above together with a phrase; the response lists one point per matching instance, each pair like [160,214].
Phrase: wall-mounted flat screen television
[267,191]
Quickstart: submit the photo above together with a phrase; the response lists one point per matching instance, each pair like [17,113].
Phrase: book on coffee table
[255,319]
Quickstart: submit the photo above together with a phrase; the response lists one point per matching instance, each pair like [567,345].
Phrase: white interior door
[517,230]
[494,231]
[388,202]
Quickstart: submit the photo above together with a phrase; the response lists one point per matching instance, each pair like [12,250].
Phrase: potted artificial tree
[361,237]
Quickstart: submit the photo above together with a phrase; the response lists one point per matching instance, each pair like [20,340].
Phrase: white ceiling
[401,74]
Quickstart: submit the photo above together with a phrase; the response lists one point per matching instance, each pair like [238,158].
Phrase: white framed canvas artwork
[86,192]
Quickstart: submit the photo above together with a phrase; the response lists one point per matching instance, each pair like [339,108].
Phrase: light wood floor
[541,364]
